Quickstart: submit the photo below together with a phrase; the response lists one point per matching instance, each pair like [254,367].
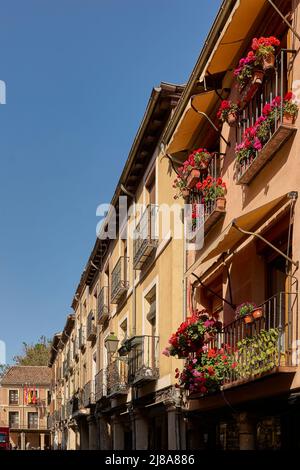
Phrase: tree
[3,369]
[35,354]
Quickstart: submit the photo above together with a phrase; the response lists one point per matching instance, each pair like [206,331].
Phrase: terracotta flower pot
[269,61]
[221,203]
[204,164]
[288,119]
[258,77]
[248,319]
[208,337]
[185,193]
[231,119]
[257,313]
[193,178]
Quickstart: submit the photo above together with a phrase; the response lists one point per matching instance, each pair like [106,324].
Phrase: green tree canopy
[34,354]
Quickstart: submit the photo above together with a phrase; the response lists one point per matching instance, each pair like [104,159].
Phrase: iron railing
[119,279]
[204,210]
[103,305]
[145,239]
[91,328]
[69,408]
[100,385]
[65,368]
[117,378]
[88,396]
[265,344]
[143,359]
[81,337]
[274,84]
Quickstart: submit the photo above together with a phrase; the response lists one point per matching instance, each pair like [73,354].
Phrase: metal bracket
[254,234]
[284,19]
[209,120]
[213,292]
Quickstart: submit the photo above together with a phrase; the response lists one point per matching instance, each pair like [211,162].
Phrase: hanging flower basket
[257,313]
[264,49]
[221,203]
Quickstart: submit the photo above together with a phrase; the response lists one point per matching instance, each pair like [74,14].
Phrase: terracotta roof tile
[38,375]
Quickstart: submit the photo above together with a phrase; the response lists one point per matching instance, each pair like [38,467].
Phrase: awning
[231,237]
[190,121]
[237,28]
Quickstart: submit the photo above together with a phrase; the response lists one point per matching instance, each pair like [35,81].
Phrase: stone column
[176,425]
[104,433]
[247,431]
[118,433]
[42,441]
[139,426]
[93,433]
[23,441]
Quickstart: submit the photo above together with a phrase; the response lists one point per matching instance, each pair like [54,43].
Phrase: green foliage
[257,354]
[35,354]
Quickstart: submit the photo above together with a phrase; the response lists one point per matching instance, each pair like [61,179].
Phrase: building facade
[119,390]
[251,245]
[24,406]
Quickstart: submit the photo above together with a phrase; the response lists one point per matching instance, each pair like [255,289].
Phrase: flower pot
[258,77]
[204,164]
[288,119]
[208,337]
[185,193]
[221,203]
[193,178]
[231,119]
[257,313]
[269,61]
[248,319]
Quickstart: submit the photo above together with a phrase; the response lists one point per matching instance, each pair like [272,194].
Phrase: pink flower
[166,352]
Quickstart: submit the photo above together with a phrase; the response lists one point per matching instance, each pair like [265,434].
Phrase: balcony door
[33,420]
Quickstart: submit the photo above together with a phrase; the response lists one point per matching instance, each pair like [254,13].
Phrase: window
[33,420]
[13,397]
[13,419]
[48,397]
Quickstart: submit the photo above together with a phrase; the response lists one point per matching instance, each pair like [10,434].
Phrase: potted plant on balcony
[191,335]
[228,112]
[264,49]
[249,76]
[180,184]
[245,310]
[196,163]
[214,190]
[290,109]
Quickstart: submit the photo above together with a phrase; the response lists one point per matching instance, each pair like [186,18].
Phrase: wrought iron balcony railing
[91,329]
[145,236]
[88,397]
[143,359]
[69,408]
[65,368]
[117,378]
[119,279]
[214,209]
[103,305]
[81,337]
[266,344]
[100,385]
[274,84]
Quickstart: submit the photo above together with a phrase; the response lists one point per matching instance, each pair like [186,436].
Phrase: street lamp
[111,343]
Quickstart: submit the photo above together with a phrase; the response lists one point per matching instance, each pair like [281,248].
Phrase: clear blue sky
[78,74]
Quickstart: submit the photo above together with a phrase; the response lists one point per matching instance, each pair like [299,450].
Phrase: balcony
[103,305]
[69,408]
[65,368]
[117,378]
[275,84]
[81,337]
[143,359]
[264,346]
[91,329]
[88,396]
[119,279]
[100,385]
[63,412]
[145,236]
[76,348]
[214,210]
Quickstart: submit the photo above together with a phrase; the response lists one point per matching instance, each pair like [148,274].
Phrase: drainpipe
[132,196]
